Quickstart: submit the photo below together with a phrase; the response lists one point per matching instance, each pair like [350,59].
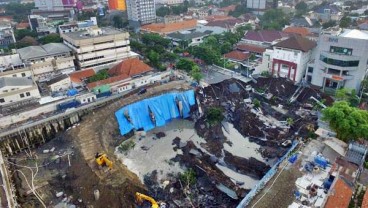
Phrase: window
[21,95]
[5,90]
[310,69]
[2,100]
[340,50]
[23,74]
[14,75]
[28,94]
[341,63]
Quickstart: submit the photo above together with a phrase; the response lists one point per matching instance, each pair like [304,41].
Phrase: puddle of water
[241,146]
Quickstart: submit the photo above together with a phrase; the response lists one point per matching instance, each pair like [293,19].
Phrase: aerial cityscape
[184,103]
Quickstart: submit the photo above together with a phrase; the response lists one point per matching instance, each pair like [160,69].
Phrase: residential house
[252,49]
[264,37]
[289,58]
[42,25]
[340,60]
[229,25]
[12,66]
[310,33]
[327,12]
[227,10]
[86,98]
[98,47]
[171,19]
[237,57]
[164,29]
[59,83]
[341,194]
[363,26]
[187,38]
[6,35]
[78,78]
[48,60]
[17,89]
[301,22]
[78,26]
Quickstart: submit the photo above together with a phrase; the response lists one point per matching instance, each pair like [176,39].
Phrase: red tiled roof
[265,35]
[22,25]
[170,27]
[218,17]
[78,76]
[130,67]
[297,43]
[228,8]
[341,195]
[365,200]
[237,55]
[250,48]
[109,80]
[303,31]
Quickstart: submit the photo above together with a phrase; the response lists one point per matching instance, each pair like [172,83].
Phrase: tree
[341,94]
[26,41]
[196,73]
[51,38]
[226,47]
[348,122]
[152,39]
[100,75]
[163,11]
[214,115]
[238,11]
[274,19]
[328,24]
[185,64]
[345,22]
[301,8]
[20,34]
[154,58]
[19,11]
[256,103]
[117,21]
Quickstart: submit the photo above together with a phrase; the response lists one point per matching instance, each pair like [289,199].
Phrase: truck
[69,104]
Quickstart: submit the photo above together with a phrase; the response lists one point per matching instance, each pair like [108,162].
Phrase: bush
[214,116]
[256,103]
[126,146]
[189,177]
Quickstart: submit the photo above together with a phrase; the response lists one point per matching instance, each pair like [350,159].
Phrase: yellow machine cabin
[103,160]
[141,197]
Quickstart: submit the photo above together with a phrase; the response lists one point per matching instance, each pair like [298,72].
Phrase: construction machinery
[141,197]
[103,160]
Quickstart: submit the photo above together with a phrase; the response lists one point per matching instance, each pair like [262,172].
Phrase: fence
[265,179]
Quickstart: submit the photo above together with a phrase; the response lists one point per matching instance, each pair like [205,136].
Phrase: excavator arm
[140,197]
[102,160]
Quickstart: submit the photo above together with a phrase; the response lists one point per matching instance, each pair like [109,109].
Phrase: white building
[59,83]
[186,38]
[98,47]
[141,12]
[86,98]
[256,4]
[341,60]
[49,4]
[47,60]
[78,26]
[288,58]
[16,89]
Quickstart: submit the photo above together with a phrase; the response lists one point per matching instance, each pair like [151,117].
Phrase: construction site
[163,148]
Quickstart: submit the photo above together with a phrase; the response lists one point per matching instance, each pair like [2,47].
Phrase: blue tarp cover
[72,92]
[163,107]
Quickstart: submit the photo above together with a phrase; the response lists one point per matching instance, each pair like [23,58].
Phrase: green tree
[348,122]
[117,21]
[163,11]
[214,115]
[100,75]
[151,39]
[274,19]
[154,58]
[256,103]
[226,47]
[185,64]
[301,8]
[345,22]
[196,73]
[20,34]
[341,94]
[19,11]
[26,41]
[239,10]
[51,38]
[189,177]
[328,24]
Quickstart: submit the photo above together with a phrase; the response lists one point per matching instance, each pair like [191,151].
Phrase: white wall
[61,85]
[15,96]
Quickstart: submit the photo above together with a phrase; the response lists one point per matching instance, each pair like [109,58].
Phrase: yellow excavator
[103,160]
[141,197]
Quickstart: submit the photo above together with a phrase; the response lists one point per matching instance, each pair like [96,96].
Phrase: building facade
[98,47]
[117,5]
[52,5]
[6,35]
[341,60]
[289,58]
[141,12]
[48,60]
[17,89]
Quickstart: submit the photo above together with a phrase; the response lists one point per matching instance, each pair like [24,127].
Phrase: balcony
[342,68]
[337,77]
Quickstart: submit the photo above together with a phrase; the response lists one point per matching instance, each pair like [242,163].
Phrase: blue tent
[72,92]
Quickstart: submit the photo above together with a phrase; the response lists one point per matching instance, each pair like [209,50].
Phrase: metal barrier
[260,185]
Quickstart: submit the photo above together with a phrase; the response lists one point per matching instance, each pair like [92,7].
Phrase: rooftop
[226,23]
[297,43]
[107,81]
[97,32]
[57,79]
[341,195]
[237,56]
[170,27]
[265,35]
[250,48]
[186,36]
[130,68]
[303,31]
[78,76]
[356,34]
[15,81]
[49,49]
[365,199]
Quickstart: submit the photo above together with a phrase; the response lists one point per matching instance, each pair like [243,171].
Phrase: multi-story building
[52,5]
[98,47]
[47,61]
[42,25]
[117,5]
[12,66]
[289,58]
[6,35]
[341,60]
[16,89]
[78,26]
[141,12]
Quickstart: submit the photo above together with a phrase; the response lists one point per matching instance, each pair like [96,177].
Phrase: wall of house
[17,73]
[19,95]
[86,98]
[61,85]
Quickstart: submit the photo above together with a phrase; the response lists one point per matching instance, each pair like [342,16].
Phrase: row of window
[341,50]
[22,95]
[340,63]
[122,46]
[102,63]
[93,58]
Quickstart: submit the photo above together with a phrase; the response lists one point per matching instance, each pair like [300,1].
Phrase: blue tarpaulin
[321,161]
[163,107]
[72,92]
[293,158]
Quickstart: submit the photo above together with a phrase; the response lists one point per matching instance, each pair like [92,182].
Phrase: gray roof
[80,35]
[15,81]
[57,79]
[186,36]
[356,153]
[50,49]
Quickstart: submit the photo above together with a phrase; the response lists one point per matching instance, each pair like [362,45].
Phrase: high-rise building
[117,5]
[341,60]
[53,5]
[141,12]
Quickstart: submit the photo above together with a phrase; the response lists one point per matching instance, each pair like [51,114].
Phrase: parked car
[142,91]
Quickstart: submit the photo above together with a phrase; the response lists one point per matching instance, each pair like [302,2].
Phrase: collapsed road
[211,165]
